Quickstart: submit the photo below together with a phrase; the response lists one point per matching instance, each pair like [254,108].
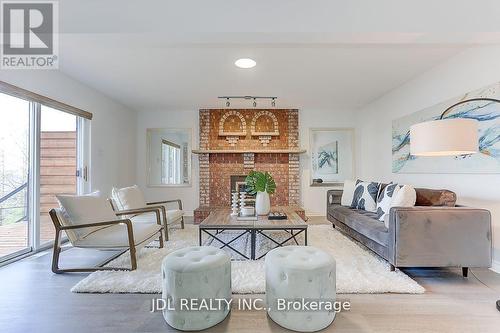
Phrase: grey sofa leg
[465,271]
[393,268]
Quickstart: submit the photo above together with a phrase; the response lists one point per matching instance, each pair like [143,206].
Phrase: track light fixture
[254,98]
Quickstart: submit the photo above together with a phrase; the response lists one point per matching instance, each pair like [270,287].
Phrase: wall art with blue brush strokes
[487,112]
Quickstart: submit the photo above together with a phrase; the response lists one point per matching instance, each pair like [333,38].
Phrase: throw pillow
[365,196]
[348,192]
[406,197]
[128,197]
[384,200]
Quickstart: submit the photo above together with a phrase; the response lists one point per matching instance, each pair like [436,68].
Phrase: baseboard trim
[495,266]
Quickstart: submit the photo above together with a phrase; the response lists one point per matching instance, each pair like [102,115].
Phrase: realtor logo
[29,31]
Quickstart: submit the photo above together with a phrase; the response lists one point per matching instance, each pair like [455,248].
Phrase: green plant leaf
[257,181]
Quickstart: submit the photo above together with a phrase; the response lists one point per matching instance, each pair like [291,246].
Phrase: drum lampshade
[447,137]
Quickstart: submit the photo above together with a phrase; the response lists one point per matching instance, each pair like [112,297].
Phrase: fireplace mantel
[244,151]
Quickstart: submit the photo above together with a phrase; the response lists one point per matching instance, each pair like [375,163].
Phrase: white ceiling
[179,55]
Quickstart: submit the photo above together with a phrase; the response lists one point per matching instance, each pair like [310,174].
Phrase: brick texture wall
[216,168]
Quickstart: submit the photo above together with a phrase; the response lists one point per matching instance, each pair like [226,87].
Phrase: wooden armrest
[179,202]
[97,224]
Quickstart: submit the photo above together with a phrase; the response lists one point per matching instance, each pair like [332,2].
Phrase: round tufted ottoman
[196,283]
[296,278]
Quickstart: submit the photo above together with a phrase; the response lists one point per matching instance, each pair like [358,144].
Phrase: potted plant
[261,184]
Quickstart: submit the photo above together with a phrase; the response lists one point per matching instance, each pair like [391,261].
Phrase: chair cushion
[83,209]
[365,223]
[173,215]
[128,197]
[116,236]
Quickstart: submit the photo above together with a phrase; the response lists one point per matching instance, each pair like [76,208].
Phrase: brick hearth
[227,130]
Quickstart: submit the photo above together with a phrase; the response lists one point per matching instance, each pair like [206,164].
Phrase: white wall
[469,70]
[313,198]
[113,139]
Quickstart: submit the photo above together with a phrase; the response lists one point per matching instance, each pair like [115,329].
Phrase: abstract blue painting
[486,111]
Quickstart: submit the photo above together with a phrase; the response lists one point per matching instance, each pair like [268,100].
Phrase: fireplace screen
[237,184]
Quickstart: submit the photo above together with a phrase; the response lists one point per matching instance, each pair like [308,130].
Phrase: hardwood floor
[32,299]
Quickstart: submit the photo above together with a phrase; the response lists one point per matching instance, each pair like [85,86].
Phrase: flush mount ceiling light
[245,63]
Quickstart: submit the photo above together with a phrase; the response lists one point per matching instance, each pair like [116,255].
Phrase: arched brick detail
[229,114]
[261,114]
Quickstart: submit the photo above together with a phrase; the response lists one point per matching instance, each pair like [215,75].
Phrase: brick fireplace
[234,142]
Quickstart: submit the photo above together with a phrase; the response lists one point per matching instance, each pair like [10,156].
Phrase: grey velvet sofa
[433,233]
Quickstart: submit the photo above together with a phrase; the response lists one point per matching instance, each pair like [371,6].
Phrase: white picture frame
[331,155]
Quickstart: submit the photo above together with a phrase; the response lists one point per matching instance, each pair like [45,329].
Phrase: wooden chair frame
[164,211]
[130,233]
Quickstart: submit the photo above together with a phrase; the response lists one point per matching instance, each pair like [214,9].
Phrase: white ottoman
[196,274]
[296,273]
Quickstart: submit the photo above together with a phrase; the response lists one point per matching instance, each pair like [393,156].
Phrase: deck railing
[10,195]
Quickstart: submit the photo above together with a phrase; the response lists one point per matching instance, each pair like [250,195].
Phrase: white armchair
[90,222]
[126,198]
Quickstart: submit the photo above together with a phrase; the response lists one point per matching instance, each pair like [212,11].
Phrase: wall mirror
[169,156]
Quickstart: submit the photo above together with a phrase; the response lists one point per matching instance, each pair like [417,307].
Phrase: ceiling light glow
[245,63]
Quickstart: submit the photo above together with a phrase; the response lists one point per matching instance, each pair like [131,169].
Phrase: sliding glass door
[58,163]
[42,154]
[15,131]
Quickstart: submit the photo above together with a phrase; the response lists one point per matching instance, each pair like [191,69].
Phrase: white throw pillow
[384,200]
[83,209]
[348,192]
[128,197]
[406,197]
[365,196]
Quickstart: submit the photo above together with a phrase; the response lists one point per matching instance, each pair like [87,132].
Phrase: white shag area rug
[358,270]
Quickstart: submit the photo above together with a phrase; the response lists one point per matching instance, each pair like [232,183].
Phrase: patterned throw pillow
[365,196]
[384,200]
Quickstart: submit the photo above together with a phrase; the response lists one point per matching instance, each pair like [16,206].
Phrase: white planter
[262,203]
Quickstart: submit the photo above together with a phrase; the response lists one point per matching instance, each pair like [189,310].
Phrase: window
[42,154]
[170,156]
[15,128]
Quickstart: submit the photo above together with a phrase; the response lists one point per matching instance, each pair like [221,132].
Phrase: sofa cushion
[430,197]
[365,196]
[363,222]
